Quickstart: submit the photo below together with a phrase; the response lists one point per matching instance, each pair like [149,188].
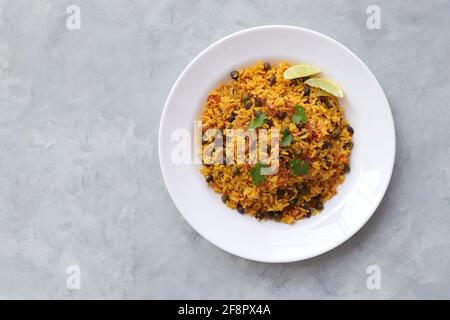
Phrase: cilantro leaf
[299,115]
[257,122]
[255,173]
[287,137]
[299,167]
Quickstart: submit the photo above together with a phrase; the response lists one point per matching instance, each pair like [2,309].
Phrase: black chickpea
[258,102]
[349,145]
[225,197]
[235,172]
[306,91]
[336,133]
[326,145]
[281,192]
[281,115]
[350,130]
[346,168]
[240,208]
[273,79]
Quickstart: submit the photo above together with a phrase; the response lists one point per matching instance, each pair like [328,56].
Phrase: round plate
[372,159]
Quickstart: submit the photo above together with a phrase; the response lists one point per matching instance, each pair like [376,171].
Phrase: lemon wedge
[300,71]
[325,85]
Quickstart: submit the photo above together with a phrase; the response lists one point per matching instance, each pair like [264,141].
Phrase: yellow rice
[325,117]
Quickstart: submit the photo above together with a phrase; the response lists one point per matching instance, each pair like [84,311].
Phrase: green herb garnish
[257,122]
[299,115]
[287,137]
[257,178]
[299,167]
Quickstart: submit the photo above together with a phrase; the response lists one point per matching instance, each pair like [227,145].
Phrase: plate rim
[318,34]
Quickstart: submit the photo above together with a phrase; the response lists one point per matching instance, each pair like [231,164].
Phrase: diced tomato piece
[214,97]
[343,158]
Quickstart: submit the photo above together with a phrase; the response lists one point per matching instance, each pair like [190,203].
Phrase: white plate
[372,160]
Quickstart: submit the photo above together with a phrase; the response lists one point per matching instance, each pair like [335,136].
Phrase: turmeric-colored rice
[323,143]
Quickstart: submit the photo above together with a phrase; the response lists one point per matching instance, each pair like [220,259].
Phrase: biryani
[313,145]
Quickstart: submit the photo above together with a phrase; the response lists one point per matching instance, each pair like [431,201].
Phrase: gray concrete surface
[79,176]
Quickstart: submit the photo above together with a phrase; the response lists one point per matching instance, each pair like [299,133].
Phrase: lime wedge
[325,85]
[300,71]
[321,93]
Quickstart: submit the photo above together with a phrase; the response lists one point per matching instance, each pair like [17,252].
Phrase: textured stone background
[79,176]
